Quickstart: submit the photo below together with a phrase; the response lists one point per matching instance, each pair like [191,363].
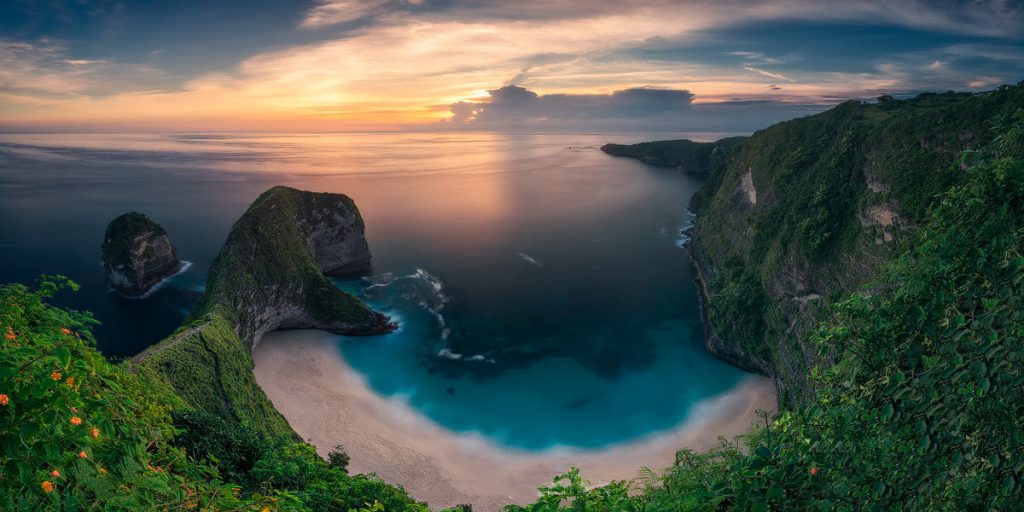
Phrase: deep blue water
[541,287]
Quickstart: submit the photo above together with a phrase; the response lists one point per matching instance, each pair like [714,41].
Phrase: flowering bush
[75,430]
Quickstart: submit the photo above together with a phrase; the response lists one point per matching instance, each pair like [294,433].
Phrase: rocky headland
[138,254]
[269,275]
[685,155]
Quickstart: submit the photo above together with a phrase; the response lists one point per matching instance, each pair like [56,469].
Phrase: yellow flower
[55,376]
[70,382]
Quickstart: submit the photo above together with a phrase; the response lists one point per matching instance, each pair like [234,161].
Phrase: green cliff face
[269,275]
[809,210]
[685,155]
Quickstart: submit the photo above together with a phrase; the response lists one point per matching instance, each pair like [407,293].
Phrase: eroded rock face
[271,272]
[137,254]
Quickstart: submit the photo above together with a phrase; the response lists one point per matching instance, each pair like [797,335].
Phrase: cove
[543,295]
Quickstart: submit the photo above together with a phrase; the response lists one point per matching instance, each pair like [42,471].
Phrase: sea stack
[137,254]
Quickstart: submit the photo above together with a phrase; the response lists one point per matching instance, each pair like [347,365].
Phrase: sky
[601,65]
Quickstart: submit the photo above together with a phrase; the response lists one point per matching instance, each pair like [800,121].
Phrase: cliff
[810,210]
[137,254]
[685,155]
[269,275]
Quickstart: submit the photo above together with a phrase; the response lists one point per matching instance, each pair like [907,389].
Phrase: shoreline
[326,402]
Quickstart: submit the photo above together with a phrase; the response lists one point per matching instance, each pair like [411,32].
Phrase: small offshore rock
[137,254]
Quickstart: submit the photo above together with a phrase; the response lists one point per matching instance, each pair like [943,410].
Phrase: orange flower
[55,376]
[74,409]
[55,473]
[814,470]
[70,382]
[95,433]
[102,471]
[65,330]
[4,399]
[47,486]
[10,334]
[82,455]
[75,420]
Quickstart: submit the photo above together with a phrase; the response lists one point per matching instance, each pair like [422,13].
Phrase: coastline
[327,403]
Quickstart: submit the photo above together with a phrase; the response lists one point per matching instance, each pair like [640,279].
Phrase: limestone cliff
[809,210]
[137,254]
[269,275]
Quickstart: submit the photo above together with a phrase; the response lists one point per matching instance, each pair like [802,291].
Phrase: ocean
[542,290]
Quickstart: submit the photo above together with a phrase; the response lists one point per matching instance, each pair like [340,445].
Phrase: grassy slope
[774,267]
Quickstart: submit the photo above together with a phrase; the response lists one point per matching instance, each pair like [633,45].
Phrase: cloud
[516,105]
[639,109]
[333,12]
[769,74]
[977,17]
[42,73]
[395,63]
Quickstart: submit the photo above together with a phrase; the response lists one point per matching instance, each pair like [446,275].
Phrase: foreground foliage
[923,410]
[77,432]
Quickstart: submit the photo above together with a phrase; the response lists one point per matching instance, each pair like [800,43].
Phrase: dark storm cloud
[514,104]
[517,108]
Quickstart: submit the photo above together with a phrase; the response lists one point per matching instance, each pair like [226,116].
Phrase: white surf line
[185,265]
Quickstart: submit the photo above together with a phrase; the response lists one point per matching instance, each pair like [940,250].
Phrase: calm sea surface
[542,290]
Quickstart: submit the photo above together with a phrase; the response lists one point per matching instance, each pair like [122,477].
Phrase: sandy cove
[327,403]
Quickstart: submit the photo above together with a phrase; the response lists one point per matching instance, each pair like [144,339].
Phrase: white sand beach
[327,403]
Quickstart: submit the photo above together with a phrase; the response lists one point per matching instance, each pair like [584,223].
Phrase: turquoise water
[543,295]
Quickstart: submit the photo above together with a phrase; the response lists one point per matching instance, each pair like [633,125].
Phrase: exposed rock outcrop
[137,254]
[269,275]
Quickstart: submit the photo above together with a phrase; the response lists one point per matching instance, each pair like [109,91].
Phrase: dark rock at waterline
[137,254]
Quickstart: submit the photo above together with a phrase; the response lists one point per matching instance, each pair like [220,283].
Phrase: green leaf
[63,355]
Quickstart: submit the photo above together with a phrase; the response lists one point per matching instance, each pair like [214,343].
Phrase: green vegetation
[76,431]
[687,155]
[121,234]
[922,409]
[836,196]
